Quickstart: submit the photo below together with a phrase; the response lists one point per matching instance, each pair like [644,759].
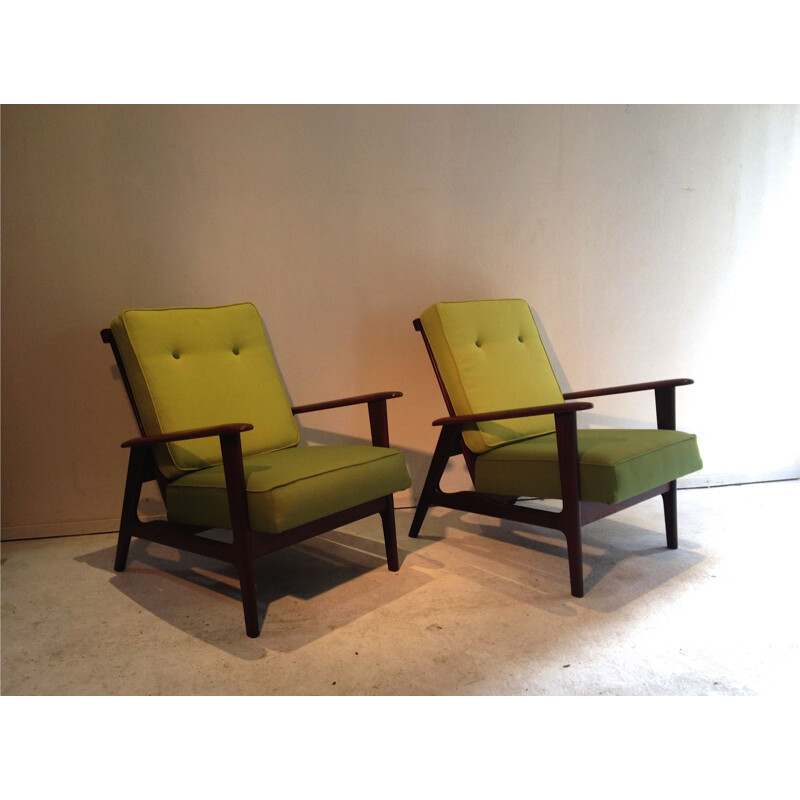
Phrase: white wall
[651,242]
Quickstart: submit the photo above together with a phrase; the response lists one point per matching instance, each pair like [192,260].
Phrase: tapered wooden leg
[670,499]
[665,414]
[137,460]
[445,448]
[247,582]
[571,528]
[121,559]
[575,556]
[419,516]
[567,438]
[390,535]
[235,485]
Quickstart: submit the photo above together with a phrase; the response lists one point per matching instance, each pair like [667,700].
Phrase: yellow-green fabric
[292,487]
[614,464]
[491,358]
[196,367]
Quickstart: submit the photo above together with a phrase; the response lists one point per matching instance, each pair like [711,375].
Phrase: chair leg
[575,555]
[572,531]
[448,438]
[137,464]
[247,583]
[567,438]
[123,544]
[250,604]
[670,499]
[390,535]
[419,516]
[236,487]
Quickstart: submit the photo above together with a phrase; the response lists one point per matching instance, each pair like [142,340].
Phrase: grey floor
[478,608]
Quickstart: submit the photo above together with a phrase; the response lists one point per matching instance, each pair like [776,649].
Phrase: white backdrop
[650,241]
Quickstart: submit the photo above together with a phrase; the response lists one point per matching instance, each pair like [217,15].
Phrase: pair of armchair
[219,436]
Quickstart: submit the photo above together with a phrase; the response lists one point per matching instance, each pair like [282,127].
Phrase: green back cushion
[195,367]
[490,357]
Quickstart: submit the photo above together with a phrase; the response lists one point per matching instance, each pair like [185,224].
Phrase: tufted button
[477,344]
[520,339]
[176,354]
[236,351]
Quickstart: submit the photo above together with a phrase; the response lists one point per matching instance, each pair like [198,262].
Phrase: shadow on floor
[304,592]
[622,561]
[309,590]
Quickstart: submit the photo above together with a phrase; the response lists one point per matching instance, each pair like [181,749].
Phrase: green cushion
[490,357]
[195,367]
[614,464]
[292,487]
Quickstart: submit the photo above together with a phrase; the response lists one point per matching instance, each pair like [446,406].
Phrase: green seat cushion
[490,357]
[291,487]
[614,464]
[197,367]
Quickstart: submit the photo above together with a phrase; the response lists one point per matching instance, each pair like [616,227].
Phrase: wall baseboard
[10,533]
[735,479]
[405,499]
[13,532]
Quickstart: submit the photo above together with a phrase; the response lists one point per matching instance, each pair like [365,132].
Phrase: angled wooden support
[248,545]
[567,520]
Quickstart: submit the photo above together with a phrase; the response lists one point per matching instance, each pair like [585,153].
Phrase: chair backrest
[197,367]
[489,356]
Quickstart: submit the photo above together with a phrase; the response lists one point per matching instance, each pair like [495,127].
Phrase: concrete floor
[478,608]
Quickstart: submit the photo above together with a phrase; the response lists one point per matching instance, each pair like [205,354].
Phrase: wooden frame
[247,545]
[574,513]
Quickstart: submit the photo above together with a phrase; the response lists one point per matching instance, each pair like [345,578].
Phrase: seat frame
[574,513]
[246,545]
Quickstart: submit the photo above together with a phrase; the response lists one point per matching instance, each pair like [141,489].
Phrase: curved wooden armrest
[631,387]
[346,401]
[512,413]
[194,433]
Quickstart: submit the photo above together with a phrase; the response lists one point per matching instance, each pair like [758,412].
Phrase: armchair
[219,436]
[519,436]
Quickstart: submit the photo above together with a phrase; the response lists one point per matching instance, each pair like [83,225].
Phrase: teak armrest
[345,401]
[664,391]
[376,404]
[512,413]
[194,433]
[631,387]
